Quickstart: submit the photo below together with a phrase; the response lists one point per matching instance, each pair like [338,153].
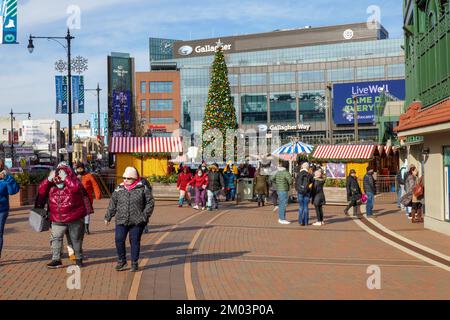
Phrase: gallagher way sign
[8,21]
[369,96]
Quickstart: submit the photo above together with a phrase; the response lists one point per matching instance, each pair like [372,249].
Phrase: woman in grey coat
[132,204]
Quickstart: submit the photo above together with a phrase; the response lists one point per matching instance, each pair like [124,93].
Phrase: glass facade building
[288,84]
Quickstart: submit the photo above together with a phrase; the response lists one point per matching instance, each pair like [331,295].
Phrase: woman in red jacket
[67,211]
[199,182]
[182,185]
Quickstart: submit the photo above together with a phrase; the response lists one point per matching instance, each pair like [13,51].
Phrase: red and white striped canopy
[344,152]
[146,145]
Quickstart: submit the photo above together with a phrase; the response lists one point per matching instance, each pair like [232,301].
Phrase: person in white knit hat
[132,204]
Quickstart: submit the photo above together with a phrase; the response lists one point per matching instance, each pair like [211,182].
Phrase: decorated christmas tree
[219,113]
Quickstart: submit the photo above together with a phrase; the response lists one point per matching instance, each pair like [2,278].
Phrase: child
[182,183]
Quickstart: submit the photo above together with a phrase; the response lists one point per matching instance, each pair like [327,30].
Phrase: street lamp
[67,47]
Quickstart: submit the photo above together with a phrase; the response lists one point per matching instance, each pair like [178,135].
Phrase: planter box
[335,196]
[25,197]
[165,191]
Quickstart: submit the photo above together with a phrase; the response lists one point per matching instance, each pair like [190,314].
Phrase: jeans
[303,211]
[370,203]
[319,213]
[200,197]
[400,193]
[135,241]
[76,233]
[282,202]
[212,199]
[261,198]
[3,217]
[232,194]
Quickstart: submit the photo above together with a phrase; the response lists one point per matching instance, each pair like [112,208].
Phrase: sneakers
[203,209]
[276,208]
[283,222]
[180,206]
[55,264]
[318,224]
[121,266]
[134,267]
[195,207]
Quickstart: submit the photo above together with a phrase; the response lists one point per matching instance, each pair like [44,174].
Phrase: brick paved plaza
[239,252]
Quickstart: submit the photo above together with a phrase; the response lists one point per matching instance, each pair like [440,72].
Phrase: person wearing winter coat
[370,189]
[261,188]
[8,187]
[410,182]
[283,182]
[303,185]
[354,193]
[318,196]
[68,209]
[92,188]
[182,185]
[199,182]
[215,186]
[132,205]
[230,179]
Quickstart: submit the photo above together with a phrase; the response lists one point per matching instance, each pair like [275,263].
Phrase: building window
[5,132]
[143,87]
[283,108]
[234,80]
[161,105]
[254,109]
[371,72]
[161,120]
[396,70]
[282,78]
[311,106]
[253,79]
[143,105]
[311,76]
[161,87]
[341,75]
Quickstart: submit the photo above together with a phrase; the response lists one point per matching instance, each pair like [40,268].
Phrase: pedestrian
[283,182]
[303,185]
[204,167]
[369,185]
[199,182]
[410,182]
[251,171]
[92,188]
[67,212]
[401,185]
[182,186]
[230,180]
[132,205]
[417,199]
[215,186]
[261,187]
[8,187]
[243,171]
[354,193]
[318,197]
[273,194]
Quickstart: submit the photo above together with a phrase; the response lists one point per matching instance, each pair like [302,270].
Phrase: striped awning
[344,152]
[146,145]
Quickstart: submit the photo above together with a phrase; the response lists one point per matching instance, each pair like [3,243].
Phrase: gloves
[51,176]
[62,174]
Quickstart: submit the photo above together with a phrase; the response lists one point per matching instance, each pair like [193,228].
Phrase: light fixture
[30,45]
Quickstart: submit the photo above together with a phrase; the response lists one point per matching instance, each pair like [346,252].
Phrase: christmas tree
[219,113]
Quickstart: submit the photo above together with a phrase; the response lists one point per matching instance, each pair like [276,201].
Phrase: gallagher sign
[369,96]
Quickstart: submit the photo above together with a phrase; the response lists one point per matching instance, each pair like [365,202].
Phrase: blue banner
[78,94]
[121,114]
[61,94]
[8,21]
[369,97]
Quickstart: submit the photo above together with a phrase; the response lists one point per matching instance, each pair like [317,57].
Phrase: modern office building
[424,129]
[285,78]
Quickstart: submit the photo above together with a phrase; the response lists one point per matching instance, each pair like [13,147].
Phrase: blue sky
[27,80]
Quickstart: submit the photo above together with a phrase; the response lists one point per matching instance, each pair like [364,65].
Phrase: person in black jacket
[318,196]
[370,190]
[215,185]
[354,193]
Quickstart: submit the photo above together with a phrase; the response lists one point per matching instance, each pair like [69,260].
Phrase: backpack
[400,179]
[303,186]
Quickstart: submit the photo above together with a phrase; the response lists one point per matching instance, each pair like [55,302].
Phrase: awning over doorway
[344,152]
[146,145]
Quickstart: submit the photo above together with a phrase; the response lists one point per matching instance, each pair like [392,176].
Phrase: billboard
[8,21]
[121,114]
[38,133]
[369,96]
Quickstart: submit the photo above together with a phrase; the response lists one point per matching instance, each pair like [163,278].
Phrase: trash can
[244,190]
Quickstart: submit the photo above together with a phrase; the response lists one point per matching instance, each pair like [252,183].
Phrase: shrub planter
[19,199]
[335,196]
[163,191]
[31,193]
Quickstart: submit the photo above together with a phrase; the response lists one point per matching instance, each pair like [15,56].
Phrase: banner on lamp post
[8,21]
[61,94]
[78,94]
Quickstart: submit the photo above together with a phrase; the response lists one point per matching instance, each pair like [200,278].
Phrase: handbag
[364,198]
[418,190]
[38,220]
[87,201]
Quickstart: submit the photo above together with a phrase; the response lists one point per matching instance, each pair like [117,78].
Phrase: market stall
[149,155]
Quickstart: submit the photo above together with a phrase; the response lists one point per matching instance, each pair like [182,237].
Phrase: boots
[86,228]
[413,215]
[419,216]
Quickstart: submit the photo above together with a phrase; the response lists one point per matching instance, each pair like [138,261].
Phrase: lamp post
[68,39]
[12,113]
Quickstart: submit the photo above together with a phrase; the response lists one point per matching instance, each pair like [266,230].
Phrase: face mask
[199,174]
[60,186]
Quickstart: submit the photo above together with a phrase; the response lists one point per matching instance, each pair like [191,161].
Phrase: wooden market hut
[150,155]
